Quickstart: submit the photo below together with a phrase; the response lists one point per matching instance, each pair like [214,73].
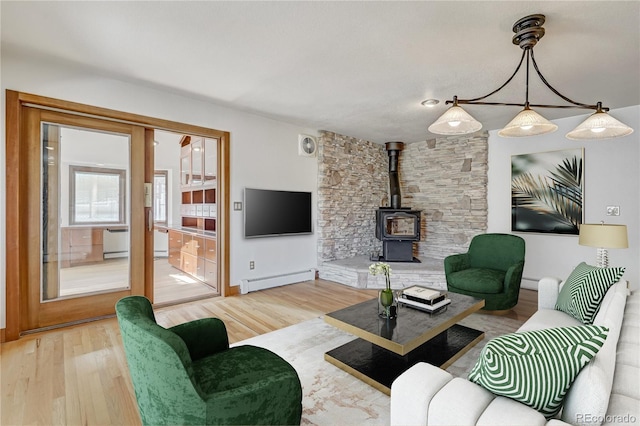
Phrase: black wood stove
[396,226]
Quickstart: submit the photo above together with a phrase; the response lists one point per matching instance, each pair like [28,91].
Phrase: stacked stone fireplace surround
[445,178]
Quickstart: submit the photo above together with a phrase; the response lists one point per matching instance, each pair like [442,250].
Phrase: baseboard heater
[115,254]
[254,284]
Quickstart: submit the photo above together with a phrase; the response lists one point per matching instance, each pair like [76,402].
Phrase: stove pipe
[393,149]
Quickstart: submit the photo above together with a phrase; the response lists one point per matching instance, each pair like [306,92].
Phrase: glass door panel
[196,161]
[185,165]
[210,160]
[85,185]
[84,218]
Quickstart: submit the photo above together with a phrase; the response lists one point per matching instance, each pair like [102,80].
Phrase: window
[160,180]
[97,196]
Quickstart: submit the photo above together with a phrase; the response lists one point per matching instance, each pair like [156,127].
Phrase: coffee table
[386,348]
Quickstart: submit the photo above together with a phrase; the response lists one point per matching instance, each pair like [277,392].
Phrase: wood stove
[396,226]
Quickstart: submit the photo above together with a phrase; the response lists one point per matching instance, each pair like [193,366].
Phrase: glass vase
[387,304]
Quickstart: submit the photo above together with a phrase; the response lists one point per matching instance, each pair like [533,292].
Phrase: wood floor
[78,375]
[170,284]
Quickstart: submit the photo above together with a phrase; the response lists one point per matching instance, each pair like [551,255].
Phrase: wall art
[547,192]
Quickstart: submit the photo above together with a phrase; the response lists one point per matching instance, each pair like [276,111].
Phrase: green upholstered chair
[491,270]
[188,375]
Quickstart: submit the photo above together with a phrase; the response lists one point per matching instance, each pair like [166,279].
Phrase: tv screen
[270,213]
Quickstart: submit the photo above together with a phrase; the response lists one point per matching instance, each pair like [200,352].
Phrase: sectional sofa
[605,391]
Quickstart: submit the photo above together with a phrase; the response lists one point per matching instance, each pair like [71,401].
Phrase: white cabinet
[198,178]
[198,162]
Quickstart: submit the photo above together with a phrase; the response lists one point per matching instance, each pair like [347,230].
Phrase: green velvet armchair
[491,270]
[188,375]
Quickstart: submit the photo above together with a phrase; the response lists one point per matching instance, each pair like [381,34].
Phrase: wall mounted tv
[269,213]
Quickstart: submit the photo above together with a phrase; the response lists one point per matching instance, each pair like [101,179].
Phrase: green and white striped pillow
[537,367]
[582,293]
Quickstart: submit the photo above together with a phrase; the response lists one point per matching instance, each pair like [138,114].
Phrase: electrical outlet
[252,264]
[613,210]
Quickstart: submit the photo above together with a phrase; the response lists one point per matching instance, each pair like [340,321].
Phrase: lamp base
[602,258]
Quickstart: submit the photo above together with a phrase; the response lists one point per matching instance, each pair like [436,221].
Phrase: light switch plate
[237,205]
[613,210]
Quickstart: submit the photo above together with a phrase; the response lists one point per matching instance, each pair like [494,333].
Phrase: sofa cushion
[548,318]
[584,290]
[537,367]
[489,281]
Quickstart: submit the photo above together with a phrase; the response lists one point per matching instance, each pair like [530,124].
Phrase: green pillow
[537,367]
[582,293]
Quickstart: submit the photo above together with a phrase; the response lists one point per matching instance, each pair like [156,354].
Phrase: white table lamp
[603,236]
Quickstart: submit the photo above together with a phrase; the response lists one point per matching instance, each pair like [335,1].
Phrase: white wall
[612,177]
[263,153]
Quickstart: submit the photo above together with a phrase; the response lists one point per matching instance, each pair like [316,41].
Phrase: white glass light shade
[455,121]
[603,236]
[527,123]
[599,125]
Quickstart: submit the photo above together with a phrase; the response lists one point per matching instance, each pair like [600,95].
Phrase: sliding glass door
[87,220]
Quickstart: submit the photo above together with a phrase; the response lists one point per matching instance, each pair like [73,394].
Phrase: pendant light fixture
[528,31]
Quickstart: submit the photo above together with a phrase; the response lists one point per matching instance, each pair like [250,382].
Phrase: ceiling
[360,68]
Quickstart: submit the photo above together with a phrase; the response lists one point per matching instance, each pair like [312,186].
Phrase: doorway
[185,255]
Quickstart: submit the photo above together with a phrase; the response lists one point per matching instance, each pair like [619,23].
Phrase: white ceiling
[357,68]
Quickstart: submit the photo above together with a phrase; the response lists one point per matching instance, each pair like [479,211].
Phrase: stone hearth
[354,272]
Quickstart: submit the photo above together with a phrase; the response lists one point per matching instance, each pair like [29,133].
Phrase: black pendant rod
[528,32]
[546,83]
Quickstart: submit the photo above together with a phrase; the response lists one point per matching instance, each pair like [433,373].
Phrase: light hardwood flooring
[170,285]
[78,375]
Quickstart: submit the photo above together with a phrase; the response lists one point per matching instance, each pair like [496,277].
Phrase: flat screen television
[270,213]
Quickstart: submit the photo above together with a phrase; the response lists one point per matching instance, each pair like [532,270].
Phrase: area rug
[334,397]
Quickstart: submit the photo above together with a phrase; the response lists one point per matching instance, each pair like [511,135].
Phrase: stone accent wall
[446,178]
[352,183]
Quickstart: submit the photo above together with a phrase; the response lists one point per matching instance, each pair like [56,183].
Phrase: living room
[264,148]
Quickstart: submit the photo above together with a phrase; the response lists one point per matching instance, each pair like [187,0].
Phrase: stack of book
[423,298]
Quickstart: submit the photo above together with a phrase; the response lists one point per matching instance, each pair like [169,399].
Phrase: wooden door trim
[110,114]
[14,230]
[15,190]
[148,215]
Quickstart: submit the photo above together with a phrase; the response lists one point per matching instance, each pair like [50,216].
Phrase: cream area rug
[334,397]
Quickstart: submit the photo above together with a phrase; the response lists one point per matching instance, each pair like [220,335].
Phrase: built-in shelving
[198,174]
[193,245]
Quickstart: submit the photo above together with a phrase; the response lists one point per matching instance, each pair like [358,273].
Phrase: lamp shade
[603,235]
[599,125]
[527,123]
[455,121]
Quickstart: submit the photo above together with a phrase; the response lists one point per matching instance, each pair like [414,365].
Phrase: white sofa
[607,390]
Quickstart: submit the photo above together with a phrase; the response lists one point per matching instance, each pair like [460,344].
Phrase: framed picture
[546,192]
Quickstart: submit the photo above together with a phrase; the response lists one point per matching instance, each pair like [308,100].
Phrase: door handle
[150,221]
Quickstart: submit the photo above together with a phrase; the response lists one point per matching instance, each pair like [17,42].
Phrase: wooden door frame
[16,190]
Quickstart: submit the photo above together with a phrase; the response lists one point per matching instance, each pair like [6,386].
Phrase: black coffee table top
[409,330]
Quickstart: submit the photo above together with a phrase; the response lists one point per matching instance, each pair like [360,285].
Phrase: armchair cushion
[233,381]
[537,367]
[582,293]
[490,281]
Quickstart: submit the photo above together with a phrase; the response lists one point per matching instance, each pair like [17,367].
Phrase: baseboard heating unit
[255,284]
